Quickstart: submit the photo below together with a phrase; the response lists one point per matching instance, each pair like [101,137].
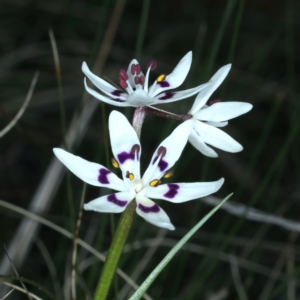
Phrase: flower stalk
[126,220]
[115,251]
[123,228]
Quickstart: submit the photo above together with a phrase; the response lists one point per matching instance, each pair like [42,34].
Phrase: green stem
[114,252]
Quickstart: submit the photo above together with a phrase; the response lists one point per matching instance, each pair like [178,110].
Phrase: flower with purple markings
[206,118]
[135,90]
[127,150]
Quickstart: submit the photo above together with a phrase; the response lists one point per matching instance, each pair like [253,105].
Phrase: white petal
[217,124]
[223,111]
[152,213]
[174,79]
[182,192]
[214,83]
[122,138]
[104,98]
[174,145]
[167,97]
[198,143]
[101,84]
[131,77]
[113,203]
[146,84]
[217,138]
[89,172]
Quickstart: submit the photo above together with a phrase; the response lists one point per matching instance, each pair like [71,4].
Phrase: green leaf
[142,289]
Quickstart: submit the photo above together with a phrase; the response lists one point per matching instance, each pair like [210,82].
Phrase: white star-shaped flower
[206,118]
[126,149]
[134,85]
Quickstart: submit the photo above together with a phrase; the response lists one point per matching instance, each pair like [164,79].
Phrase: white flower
[127,150]
[206,118]
[135,84]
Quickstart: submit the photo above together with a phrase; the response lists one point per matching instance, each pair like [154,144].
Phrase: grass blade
[142,289]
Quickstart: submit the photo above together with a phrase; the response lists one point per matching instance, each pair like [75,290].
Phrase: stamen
[123,84]
[137,80]
[152,64]
[142,80]
[169,174]
[212,102]
[138,69]
[133,69]
[155,183]
[130,176]
[135,149]
[161,78]
[123,75]
[115,163]
[162,151]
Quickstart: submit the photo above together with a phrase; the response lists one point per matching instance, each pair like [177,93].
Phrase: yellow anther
[161,78]
[155,182]
[129,175]
[115,163]
[169,174]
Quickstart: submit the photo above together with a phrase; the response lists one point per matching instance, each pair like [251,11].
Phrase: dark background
[261,40]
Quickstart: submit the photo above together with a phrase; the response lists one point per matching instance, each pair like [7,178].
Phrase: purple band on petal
[102,178]
[168,95]
[117,93]
[173,190]
[162,164]
[123,156]
[149,209]
[164,84]
[113,199]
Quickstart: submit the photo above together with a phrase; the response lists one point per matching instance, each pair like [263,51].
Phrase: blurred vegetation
[236,258]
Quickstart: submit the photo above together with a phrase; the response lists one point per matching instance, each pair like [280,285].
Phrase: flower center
[138,185]
[139,98]
[137,76]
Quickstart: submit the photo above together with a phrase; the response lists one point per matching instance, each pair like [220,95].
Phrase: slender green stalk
[142,29]
[218,39]
[63,124]
[114,252]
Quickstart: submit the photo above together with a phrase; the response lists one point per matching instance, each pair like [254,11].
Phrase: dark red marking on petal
[137,80]
[113,199]
[142,80]
[123,75]
[117,93]
[173,190]
[164,84]
[168,95]
[102,178]
[161,151]
[212,102]
[123,156]
[135,149]
[138,69]
[133,69]
[152,64]
[162,164]
[123,84]
[149,209]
